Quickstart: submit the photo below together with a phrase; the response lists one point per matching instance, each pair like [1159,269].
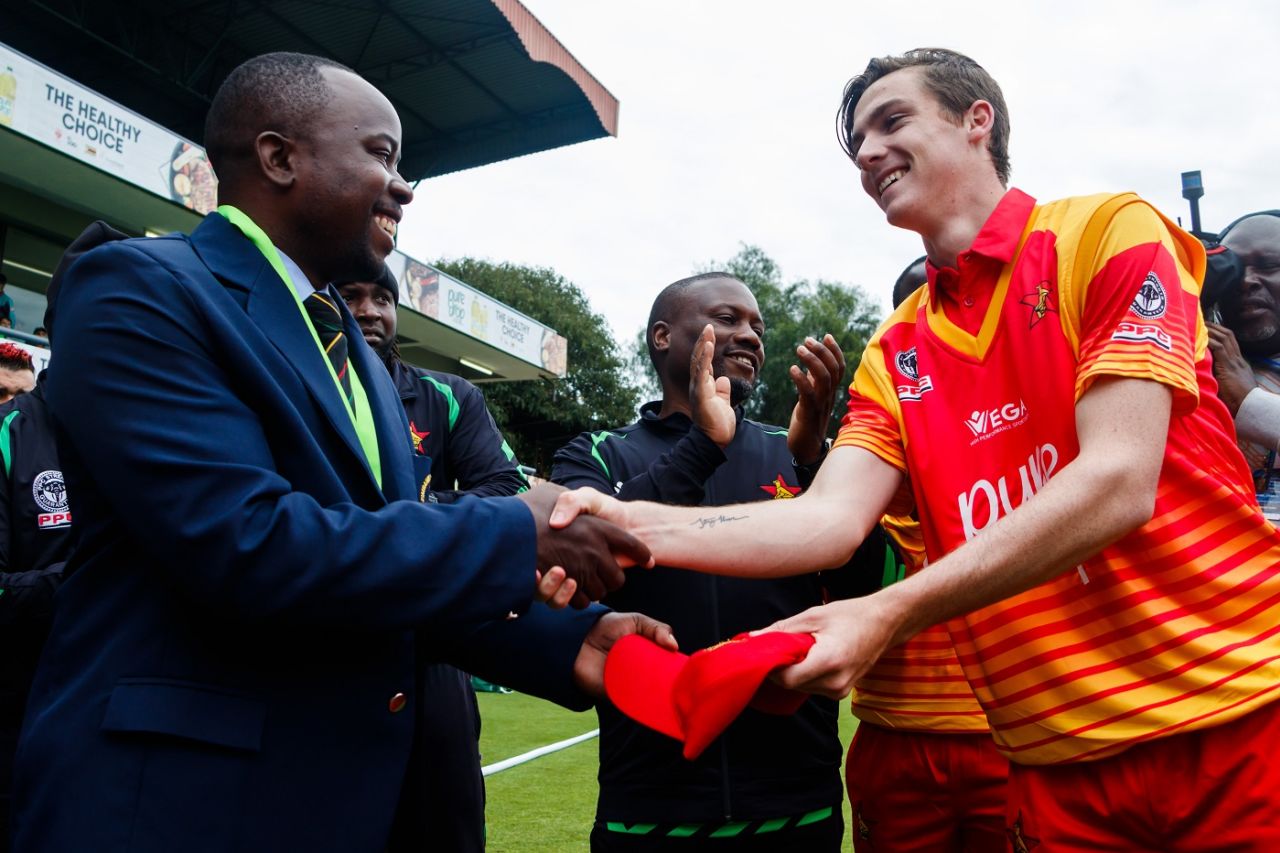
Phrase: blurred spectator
[6,323]
[1246,348]
[16,373]
[41,332]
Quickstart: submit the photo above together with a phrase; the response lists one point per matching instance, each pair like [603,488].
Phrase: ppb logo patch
[906,363]
[50,494]
[1151,300]
[909,367]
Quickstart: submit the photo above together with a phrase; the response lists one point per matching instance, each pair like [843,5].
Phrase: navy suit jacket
[229,647]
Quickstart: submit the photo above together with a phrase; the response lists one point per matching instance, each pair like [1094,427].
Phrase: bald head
[671,298]
[280,92]
[678,317]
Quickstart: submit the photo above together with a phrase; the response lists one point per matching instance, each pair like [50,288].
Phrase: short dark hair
[953,78]
[4,279]
[908,281]
[15,357]
[275,91]
[669,302]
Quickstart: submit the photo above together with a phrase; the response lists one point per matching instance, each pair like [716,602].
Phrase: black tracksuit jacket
[763,766]
[35,541]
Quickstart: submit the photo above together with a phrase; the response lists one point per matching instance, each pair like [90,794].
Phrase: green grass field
[547,805]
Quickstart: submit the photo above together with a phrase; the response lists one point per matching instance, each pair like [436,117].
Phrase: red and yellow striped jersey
[919,685]
[1174,627]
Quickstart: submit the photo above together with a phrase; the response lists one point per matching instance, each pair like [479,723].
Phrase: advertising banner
[443,297]
[43,105]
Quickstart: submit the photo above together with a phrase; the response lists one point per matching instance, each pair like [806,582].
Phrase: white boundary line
[507,763]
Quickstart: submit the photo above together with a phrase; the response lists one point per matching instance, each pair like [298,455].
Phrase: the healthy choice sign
[40,103]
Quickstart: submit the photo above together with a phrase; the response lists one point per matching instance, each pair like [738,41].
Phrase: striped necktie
[327,320]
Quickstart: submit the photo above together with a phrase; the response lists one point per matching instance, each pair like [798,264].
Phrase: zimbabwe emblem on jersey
[780,489]
[417,437]
[1019,840]
[1041,301]
[1151,301]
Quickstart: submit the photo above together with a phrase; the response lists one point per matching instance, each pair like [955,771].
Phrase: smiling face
[349,193]
[913,157]
[1252,310]
[375,310]
[729,307]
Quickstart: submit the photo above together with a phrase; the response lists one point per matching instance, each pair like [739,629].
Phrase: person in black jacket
[769,783]
[457,451]
[35,541]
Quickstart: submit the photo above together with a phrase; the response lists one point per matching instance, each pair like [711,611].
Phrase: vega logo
[986,502]
[989,422]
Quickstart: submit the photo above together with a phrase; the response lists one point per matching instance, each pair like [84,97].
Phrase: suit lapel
[388,413]
[271,306]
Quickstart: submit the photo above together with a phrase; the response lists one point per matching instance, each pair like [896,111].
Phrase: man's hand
[1234,375]
[708,396]
[587,501]
[817,386]
[591,552]
[849,637]
[555,589]
[588,668]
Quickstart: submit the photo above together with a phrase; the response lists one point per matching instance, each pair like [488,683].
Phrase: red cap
[693,698]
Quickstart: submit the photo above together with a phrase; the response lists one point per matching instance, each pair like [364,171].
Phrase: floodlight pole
[1192,191]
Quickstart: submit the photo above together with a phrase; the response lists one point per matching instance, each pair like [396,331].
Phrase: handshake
[581,556]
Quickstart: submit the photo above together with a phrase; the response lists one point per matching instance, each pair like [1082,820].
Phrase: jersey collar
[997,240]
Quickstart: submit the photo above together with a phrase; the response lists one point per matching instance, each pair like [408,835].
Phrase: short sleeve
[1137,313]
[871,421]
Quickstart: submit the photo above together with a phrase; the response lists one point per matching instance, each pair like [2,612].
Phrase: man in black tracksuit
[458,451]
[35,541]
[769,783]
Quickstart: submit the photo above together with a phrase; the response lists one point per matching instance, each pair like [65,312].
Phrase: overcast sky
[727,132]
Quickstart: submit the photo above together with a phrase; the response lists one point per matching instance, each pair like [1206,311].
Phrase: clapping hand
[817,385]
[708,396]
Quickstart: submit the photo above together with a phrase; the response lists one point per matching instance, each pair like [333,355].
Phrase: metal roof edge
[542,46]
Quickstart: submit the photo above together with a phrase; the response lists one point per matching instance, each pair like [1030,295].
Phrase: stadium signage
[43,105]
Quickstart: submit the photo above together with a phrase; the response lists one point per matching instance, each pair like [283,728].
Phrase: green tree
[791,312]
[539,417]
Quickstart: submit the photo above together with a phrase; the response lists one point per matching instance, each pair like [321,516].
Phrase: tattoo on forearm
[713,520]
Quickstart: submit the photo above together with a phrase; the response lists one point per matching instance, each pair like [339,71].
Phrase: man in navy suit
[231,660]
